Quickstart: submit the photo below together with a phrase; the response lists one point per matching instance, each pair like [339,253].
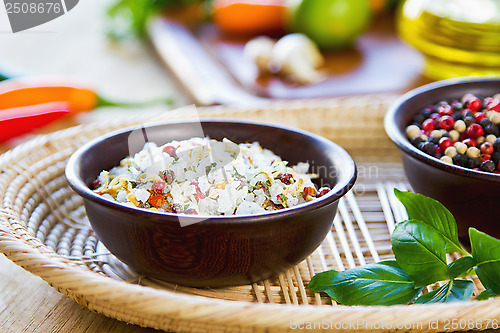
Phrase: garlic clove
[259,51]
[298,57]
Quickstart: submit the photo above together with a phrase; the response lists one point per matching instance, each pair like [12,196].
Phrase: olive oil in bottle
[457,37]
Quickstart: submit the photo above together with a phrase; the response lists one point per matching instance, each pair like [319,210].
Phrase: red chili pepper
[78,99]
[18,93]
[22,120]
[28,105]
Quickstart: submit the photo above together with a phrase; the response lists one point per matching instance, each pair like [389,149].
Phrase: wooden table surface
[74,46]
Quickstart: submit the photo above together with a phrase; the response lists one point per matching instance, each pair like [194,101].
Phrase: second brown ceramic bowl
[221,250]
[472,196]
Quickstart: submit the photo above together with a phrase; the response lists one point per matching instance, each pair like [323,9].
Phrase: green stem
[101,101]
[4,77]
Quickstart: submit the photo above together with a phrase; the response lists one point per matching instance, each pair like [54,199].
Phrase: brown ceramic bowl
[472,196]
[221,250]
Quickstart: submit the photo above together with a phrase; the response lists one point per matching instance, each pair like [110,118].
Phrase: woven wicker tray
[44,229]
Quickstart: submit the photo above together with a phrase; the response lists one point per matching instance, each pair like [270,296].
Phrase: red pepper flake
[308,193]
[156,200]
[285,178]
[168,176]
[153,192]
[174,208]
[195,184]
[322,191]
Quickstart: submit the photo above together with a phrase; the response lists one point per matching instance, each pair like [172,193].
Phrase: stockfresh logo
[26,14]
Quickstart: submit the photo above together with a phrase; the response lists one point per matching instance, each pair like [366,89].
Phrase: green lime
[330,23]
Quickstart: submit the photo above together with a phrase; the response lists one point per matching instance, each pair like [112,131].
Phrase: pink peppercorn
[479,116]
[444,143]
[429,125]
[494,105]
[485,157]
[434,116]
[446,122]
[470,142]
[487,148]
[158,186]
[472,102]
[445,110]
[475,131]
[169,150]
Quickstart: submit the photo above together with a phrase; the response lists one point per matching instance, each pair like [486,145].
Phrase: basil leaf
[432,212]
[382,283]
[486,252]
[452,291]
[419,251]
[485,295]
[461,267]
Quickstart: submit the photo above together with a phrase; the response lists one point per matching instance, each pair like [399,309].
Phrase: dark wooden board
[212,68]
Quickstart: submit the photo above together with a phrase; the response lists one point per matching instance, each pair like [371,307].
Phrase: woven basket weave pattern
[43,228]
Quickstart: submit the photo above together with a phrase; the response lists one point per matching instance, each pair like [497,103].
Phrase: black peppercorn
[457,106]
[496,144]
[492,129]
[488,166]
[419,119]
[457,116]
[416,140]
[485,122]
[468,113]
[460,160]
[426,112]
[428,148]
[495,157]
[469,120]
[434,139]
[473,163]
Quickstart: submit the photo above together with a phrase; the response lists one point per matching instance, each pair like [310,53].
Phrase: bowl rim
[340,189]
[402,142]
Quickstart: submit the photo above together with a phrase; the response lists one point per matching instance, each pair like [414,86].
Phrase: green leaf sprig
[130,17]
[420,245]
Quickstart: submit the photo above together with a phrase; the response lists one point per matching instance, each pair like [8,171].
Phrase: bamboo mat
[44,229]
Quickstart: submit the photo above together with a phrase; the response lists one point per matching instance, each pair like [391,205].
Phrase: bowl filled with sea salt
[211,203]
